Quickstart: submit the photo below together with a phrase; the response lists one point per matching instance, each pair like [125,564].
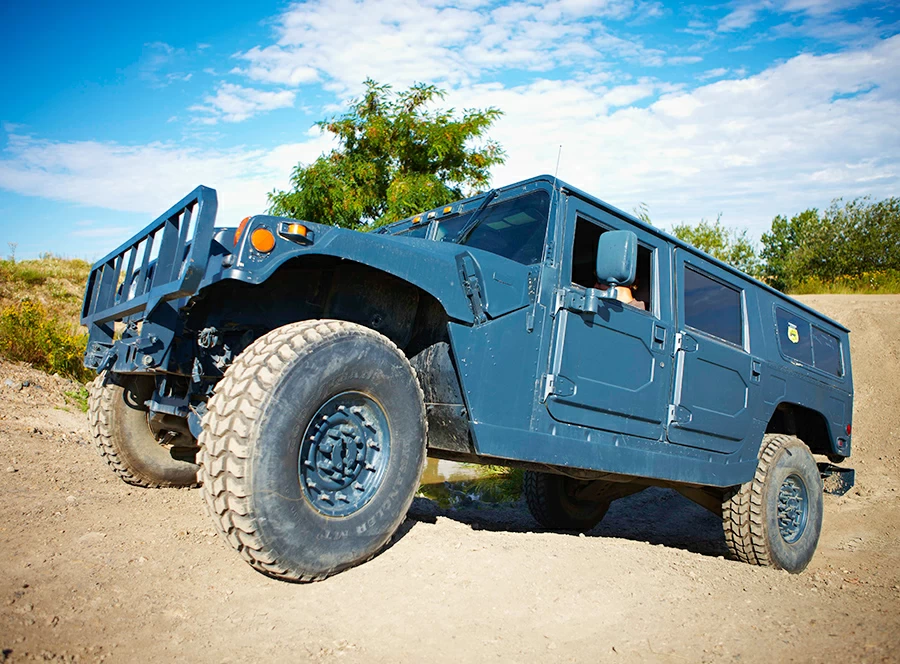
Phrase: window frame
[794,361]
[686,264]
[654,308]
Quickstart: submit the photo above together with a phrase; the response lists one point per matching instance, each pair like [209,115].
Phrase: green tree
[396,155]
[727,244]
[846,240]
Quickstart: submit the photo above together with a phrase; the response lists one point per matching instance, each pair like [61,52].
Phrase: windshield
[513,228]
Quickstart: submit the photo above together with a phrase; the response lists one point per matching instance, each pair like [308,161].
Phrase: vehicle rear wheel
[558,502]
[126,440]
[312,448]
[775,519]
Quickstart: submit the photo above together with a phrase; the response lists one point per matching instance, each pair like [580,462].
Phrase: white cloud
[149,178]
[796,135]
[684,60]
[234,103]
[718,72]
[341,42]
[815,16]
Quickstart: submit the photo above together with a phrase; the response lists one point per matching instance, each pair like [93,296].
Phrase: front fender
[435,267]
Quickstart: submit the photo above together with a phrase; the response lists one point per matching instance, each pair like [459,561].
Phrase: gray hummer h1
[302,373]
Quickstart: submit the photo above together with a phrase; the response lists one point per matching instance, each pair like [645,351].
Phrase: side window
[794,336]
[513,228]
[827,352]
[712,307]
[419,230]
[584,261]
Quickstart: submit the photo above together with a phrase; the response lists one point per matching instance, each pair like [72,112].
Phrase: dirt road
[92,569]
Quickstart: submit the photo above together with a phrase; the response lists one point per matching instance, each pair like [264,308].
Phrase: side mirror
[617,258]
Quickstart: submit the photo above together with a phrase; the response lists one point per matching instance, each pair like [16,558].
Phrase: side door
[610,370]
[714,372]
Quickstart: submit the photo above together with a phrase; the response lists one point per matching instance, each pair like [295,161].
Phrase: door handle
[755,370]
[659,336]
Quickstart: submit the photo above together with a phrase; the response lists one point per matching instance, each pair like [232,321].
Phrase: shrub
[869,283]
[29,334]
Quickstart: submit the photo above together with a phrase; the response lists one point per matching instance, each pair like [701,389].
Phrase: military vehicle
[301,373]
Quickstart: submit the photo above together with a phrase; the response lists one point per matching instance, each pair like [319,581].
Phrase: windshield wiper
[473,220]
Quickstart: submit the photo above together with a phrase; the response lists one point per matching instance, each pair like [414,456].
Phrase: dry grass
[40,306]
[57,283]
[881,282]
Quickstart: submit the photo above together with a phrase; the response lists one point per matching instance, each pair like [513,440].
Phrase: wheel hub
[793,508]
[344,454]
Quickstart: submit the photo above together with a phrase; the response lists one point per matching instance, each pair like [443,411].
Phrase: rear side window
[794,336]
[827,352]
[712,307]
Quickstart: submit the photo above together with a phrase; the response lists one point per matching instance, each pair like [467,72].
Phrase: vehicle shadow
[655,516]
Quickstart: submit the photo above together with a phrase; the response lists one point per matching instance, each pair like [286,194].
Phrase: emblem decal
[793,333]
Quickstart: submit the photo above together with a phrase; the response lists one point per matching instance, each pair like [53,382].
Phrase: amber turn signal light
[240,230]
[262,240]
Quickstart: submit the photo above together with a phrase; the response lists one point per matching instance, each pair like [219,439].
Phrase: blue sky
[111,112]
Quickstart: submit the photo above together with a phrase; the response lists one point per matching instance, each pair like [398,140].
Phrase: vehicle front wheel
[124,436]
[312,448]
[775,519]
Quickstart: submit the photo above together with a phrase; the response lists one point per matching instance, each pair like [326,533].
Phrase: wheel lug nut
[369,466]
[325,497]
[358,486]
[342,497]
[375,446]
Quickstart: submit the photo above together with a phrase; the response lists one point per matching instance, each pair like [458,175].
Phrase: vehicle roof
[559,184]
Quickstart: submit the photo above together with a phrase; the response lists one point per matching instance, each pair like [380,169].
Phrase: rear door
[611,370]
[714,372]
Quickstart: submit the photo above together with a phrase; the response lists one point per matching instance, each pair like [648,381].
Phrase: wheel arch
[320,286]
[807,424]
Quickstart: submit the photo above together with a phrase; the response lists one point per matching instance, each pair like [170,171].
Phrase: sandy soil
[92,569]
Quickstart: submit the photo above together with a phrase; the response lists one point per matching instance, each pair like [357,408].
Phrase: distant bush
[850,243]
[57,283]
[729,245]
[867,283]
[28,333]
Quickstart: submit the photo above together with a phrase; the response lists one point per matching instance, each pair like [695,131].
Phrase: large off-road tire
[775,519]
[554,502]
[122,433]
[312,448]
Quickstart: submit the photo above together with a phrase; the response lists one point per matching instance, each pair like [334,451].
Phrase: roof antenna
[556,172]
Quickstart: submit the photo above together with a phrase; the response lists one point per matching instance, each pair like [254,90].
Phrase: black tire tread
[232,414]
[743,517]
[100,404]
[537,498]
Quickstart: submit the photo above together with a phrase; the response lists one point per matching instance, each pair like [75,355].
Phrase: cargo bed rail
[173,252]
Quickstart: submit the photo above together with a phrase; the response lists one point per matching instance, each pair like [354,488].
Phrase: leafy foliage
[396,155]
[727,244]
[79,396]
[845,242]
[28,333]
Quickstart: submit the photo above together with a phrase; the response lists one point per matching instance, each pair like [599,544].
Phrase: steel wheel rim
[793,508]
[344,454]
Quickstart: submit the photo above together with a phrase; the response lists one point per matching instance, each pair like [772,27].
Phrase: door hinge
[685,342]
[678,415]
[557,386]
